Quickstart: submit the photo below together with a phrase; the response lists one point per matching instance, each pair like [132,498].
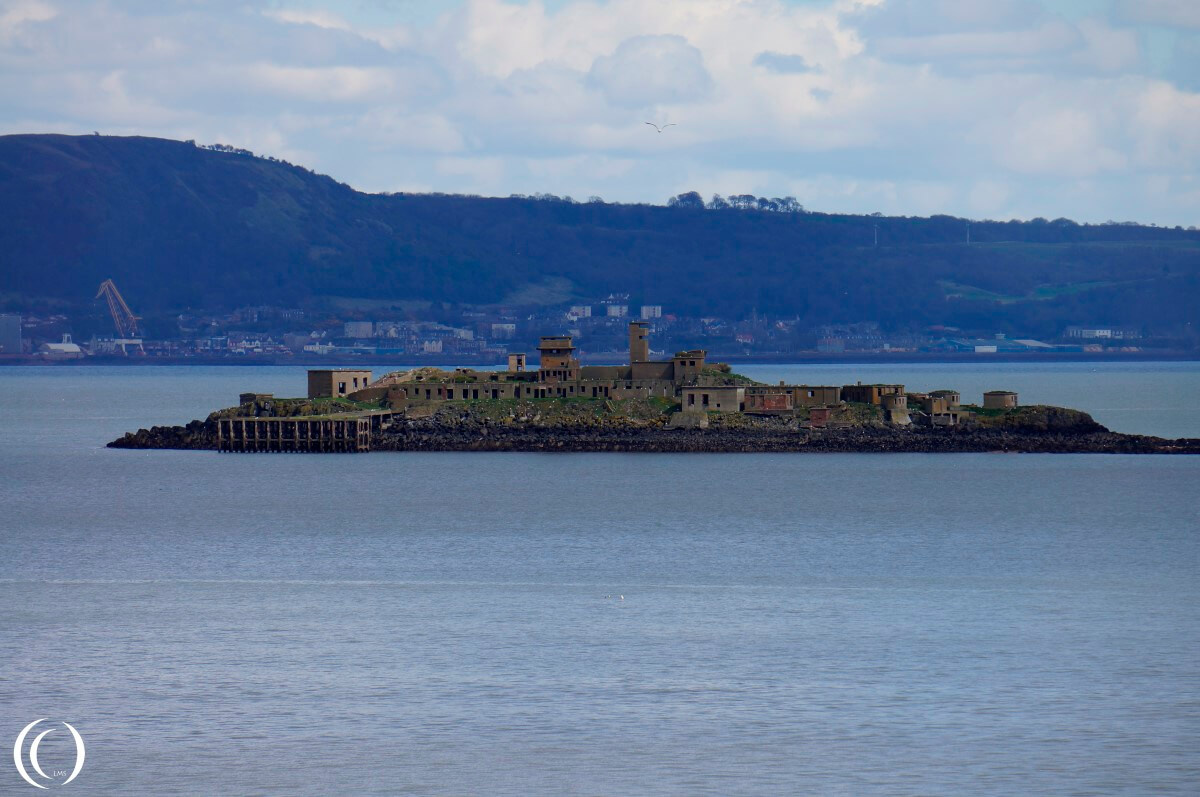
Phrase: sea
[598,624]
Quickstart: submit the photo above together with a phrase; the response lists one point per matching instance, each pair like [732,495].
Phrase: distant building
[359,329]
[504,331]
[616,310]
[651,311]
[10,334]
[580,311]
[67,350]
[1101,333]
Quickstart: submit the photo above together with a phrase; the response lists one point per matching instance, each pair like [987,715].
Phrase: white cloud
[1052,37]
[1185,13]
[651,70]
[784,63]
[308,16]
[386,129]
[989,199]
[1057,141]
[15,15]
[336,84]
[485,171]
[905,106]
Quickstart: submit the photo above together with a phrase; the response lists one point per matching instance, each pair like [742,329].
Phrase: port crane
[123,318]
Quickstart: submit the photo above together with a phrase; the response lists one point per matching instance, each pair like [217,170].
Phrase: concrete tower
[639,342]
[557,360]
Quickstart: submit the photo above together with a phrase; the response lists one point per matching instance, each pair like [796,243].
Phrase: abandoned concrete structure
[337,382]
[248,398]
[639,342]
[999,400]
[935,402]
[559,374]
[714,399]
[687,378]
[786,398]
[895,409]
[870,394]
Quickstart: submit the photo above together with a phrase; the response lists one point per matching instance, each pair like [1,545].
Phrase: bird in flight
[662,127]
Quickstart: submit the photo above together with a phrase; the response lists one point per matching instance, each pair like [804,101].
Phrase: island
[680,404]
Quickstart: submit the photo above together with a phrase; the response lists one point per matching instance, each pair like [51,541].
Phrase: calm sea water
[454,623]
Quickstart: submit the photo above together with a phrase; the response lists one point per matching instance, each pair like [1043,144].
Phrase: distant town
[424,332]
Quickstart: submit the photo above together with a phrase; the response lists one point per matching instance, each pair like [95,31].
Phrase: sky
[1088,109]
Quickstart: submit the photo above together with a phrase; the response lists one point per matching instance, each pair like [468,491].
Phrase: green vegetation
[558,411]
[724,376]
[1039,293]
[180,226]
[299,407]
[1036,418]
[862,414]
[990,412]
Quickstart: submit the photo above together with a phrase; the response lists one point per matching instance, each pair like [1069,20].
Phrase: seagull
[663,127]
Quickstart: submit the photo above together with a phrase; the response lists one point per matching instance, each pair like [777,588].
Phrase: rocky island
[683,404]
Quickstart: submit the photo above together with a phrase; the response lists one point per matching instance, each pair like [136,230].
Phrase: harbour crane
[123,318]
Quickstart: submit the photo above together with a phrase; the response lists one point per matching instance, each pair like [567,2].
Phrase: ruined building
[686,378]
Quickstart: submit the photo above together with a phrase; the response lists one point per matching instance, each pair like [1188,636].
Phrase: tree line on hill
[180,226]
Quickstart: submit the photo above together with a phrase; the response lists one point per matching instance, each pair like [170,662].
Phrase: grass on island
[558,409]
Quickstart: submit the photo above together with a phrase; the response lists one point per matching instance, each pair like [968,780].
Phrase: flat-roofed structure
[999,400]
[713,399]
[336,382]
[870,394]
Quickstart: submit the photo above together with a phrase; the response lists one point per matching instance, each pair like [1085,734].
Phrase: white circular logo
[56,776]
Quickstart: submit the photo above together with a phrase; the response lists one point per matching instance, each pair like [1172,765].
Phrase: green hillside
[180,226]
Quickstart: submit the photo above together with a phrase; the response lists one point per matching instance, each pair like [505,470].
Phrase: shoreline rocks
[195,436]
[465,433]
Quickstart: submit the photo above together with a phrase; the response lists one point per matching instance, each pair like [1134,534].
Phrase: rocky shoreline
[437,434]
[849,440]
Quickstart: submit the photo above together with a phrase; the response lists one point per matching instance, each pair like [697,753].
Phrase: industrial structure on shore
[687,379]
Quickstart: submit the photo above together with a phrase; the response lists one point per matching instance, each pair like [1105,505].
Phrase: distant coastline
[805,358]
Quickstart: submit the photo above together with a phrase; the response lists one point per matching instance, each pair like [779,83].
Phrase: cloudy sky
[983,108]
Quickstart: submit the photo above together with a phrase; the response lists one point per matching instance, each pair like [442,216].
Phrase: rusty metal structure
[123,318]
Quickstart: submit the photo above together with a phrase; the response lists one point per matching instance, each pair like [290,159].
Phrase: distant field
[1041,293]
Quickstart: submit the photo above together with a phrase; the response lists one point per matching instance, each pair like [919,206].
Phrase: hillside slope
[182,226]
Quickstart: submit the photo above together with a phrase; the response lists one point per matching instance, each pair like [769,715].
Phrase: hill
[177,225]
